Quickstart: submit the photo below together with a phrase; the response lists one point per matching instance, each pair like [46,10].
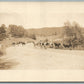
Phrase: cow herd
[45,44]
[18,43]
[53,44]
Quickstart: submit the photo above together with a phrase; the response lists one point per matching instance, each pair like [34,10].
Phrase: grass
[4,62]
[7,64]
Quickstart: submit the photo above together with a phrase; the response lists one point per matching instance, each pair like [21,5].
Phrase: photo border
[36,82]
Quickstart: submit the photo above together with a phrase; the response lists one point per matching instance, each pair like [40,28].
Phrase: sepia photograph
[41,36]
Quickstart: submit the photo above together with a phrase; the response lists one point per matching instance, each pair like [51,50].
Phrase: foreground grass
[4,62]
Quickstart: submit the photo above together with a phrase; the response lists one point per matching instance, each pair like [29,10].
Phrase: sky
[41,14]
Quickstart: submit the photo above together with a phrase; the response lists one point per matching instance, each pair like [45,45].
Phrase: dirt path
[29,57]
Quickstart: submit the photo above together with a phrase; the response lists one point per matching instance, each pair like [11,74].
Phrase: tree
[3,30]
[16,31]
[68,31]
[77,30]
[73,33]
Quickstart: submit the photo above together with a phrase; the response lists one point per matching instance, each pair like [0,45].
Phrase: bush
[33,36]
[73,34]
[2,32]
[16,31]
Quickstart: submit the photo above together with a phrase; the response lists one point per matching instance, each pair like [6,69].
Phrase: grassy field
[29,57]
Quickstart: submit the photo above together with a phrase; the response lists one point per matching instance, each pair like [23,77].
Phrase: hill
[48,31]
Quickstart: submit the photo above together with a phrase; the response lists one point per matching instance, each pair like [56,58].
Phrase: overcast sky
[41,14]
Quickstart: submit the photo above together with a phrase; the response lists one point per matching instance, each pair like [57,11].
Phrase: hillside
[48,31]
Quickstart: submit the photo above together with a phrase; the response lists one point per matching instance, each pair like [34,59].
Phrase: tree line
[71,31]
[14,31]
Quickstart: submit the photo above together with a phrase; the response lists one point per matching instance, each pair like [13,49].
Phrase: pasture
[33,56]
[30,57]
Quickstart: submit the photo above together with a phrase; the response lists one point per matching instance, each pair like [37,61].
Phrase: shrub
[73,34]
[33,36]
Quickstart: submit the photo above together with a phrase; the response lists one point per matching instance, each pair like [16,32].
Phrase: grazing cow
[57,44]
[51,44]
[23,43]
[45,45]
[41,44]
[34,43]
[13,43]
[18,43]
[67,45]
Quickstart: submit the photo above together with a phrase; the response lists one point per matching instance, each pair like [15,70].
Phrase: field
[29,57]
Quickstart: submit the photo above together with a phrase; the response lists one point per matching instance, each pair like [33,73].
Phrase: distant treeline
[14,31]
[68,30]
